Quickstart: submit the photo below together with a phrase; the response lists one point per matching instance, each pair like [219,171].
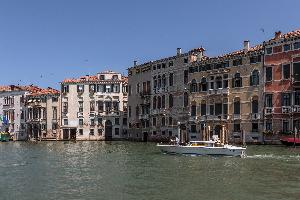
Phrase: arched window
[193,86]
[237,81]
[154,82]
[193,109]
[158,102]
[237,106]
[164,81]
[163,101]
[185,99]
[254,78]
[254,104]
[203,84]
[154,102]
[203,108]
[170,100]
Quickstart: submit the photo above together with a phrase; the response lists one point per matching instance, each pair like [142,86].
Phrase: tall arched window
[158,102]
[154,102]
[170,100]
[193,86]
[185,99]
[237,106]
[159,82]
[163,101]
[254,78]
[219,82]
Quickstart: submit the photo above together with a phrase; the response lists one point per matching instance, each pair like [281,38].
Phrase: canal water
[126,170]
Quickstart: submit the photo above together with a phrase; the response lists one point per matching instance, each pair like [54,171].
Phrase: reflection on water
[125,170]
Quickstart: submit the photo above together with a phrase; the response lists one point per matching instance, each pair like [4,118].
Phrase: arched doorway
[108,130]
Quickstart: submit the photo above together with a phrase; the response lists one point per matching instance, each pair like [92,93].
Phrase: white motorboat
[204,148]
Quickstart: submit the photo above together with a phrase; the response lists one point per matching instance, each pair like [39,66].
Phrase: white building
[94,107]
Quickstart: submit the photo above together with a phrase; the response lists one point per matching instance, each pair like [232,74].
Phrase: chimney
[277,34]
[134,63]
[12,87]
[178,51]
[246,45]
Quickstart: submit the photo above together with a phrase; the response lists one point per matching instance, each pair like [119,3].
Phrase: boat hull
[290,141]
[203,150]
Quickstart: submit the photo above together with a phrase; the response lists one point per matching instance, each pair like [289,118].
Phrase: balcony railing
[255,116]
[286,109]
[236,116]
[296,109]
[269,110]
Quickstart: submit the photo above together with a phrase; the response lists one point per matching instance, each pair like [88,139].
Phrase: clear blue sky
[44,41]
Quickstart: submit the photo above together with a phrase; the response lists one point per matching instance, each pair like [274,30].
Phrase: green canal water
[125,170]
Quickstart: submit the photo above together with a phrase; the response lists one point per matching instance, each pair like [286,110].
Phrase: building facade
[43,114]
[13,111]
[94,107]
[282,84]
[158,96]
[226,96]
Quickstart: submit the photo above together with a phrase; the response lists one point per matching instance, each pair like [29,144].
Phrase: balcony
[269,111]
[144,116]
[79,114]
[236,116]
[296,109]
[286,109]
[255,116]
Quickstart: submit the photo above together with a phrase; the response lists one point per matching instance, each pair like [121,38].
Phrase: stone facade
[43,114]
[226,95]
[94,107]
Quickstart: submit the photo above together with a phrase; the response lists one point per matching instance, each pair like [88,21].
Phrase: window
[170,121]
[65,122]
[92,106]
[203,84]
[159,102]
[170,133]
[297,45]
[269,50]
[193,128]
[254,106]
[80,122]
[237,62]
[269,100]
[203,108]
[225,107]
[171,79]
[100,132]
[92,88]
[154,102]
[285,126]
[65,107]
[80,131]
[193,110]
[218,109]
[286,99]
[296,71]
[237,81]
[80,106]
[297,97]
[99,121]
[102,77]
[211,109]
[269,74]
[158,66]
[255,59]
[154,67]
[138,88]
[286,71]
[137,111]
[163,101]
[92,122]
[54,112]
[170,101]
[186,76]
[163,121]
[236,127]
[163,65]
[100,106]
[117,131]
[286,47]
[193,86]
[164,81]
[154,121]
[255,127]
[65,88]
[254,78]
[125,121]
[219,82]
[80,88]
[186,60]
[237,107]
[185,99]
[171,63]
[54,99]
[117,121]
[269,125]
[92,131]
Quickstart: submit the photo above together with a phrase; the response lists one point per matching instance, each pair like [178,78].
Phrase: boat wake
[272,156]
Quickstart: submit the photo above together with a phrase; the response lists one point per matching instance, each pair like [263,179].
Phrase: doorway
[108,130]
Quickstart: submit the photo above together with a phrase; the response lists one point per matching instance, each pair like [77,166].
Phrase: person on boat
[177,140]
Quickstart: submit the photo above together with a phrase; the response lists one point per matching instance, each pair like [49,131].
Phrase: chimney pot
[134,63]
[246,45]
[178,51]
[277,34]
